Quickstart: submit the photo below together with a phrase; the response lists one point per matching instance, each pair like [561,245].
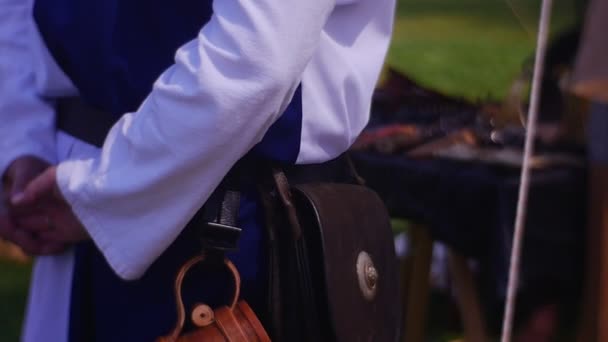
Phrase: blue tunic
[113,51]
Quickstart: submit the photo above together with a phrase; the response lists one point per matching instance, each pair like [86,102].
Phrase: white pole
[522,202]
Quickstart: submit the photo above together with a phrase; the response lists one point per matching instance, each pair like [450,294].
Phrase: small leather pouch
[236,322]
[335,266]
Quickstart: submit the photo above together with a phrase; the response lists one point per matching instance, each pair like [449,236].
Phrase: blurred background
[475,50]
[471,48]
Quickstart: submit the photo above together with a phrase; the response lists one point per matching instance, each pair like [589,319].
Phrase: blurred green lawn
[14,279]
[470,48]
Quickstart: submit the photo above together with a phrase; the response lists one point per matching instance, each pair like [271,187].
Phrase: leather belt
[92,125]
[83,121]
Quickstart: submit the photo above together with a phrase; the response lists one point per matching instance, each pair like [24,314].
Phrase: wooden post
[594,315]
[468,300]
[418,286]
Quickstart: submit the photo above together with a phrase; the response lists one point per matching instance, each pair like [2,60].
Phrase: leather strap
[82,121]
[219,217]
[181,310]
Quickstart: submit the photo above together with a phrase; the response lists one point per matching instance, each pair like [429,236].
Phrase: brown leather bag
[333,265]
[234,323]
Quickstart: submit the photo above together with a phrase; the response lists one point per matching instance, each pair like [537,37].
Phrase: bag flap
[352,259]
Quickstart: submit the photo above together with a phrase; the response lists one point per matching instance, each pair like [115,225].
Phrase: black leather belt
[82,121]
[92,125]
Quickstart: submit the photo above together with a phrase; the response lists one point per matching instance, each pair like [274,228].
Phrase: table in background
[470,207]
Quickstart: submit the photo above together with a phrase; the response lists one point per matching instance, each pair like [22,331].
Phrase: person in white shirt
[190,88]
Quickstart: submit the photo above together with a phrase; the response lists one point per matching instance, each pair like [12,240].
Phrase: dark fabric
[471,207]
[282,141]
[114,50]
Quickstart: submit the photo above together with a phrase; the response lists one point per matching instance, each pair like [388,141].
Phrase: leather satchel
[333,266]
[236,323]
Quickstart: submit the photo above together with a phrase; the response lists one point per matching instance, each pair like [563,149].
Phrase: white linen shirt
[136,193]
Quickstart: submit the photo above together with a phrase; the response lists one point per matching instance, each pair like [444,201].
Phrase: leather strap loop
[181,311]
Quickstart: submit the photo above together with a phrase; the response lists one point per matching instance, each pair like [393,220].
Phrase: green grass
[14,279]
[469,48]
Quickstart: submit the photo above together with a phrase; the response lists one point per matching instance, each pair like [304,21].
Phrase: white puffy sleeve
[27,125]
[159,164]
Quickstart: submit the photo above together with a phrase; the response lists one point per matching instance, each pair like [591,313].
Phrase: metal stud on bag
[367,274]
[234,323]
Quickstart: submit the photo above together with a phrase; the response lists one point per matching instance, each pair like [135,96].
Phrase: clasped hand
[36,217]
